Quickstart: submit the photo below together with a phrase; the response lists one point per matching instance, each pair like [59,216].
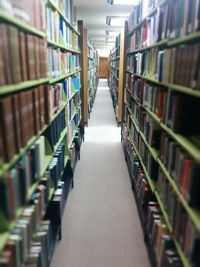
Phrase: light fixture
[112,33]
[123,2]
[116,20]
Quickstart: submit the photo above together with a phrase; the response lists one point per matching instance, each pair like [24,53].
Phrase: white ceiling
[94,12]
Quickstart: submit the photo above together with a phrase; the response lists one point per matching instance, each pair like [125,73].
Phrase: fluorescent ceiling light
[123,2]
[116,20]
[110,39]
[112,33]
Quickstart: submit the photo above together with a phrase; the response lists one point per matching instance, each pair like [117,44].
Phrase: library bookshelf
[40,136]
[93,74]
[90,72]
[159,133]
[116,76]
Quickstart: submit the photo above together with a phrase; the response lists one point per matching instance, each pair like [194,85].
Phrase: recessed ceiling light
[123,2]
[116,20]
[112,33]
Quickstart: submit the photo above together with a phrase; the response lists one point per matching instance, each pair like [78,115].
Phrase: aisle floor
[101,227]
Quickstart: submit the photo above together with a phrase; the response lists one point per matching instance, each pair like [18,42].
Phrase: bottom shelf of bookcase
[150,250]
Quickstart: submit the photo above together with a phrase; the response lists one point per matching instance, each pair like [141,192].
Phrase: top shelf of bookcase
[149,15]
[178,88]
[169,43]
[90,46]
[51,4]
[6,17]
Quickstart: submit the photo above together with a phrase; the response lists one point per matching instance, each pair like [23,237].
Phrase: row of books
[57,97]
[91,53]
[182,168]
[116,53]
[32,239]
[22,57]
[175,18]
[183,229]
[23,115]
[60,63]
[114,64]
[159,240]
[172,107]
[57,165]
[72,127]
[148,160]
[16,183]
[56,207]
[66,7]
[181,66]
[72,107]
[183,59]
[58,30]
[151,30]
[30,12]
[54,130]
[178,163]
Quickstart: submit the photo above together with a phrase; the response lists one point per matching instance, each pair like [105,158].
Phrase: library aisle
[101,226]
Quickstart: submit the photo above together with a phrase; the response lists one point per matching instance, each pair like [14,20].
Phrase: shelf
[22,25]
[14,88]
[54,80]
[149,15]
[188,145]
[194,214]
[115,68]
[114,50]
[152,150]
[168,43]
[75,112]
[51,4]
[91,47]
[63,47]
[179,88]
[6,166]
[160,43]
[74,133]
[152,184]
[115,76]
[185,39]
[117,58]
[90,57]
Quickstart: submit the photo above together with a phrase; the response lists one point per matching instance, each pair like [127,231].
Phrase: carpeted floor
[101,227]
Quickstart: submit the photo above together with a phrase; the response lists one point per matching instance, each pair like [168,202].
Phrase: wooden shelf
[179,88]
[52,5]
[62,77]
[56,45]
[22,25]
[14,88]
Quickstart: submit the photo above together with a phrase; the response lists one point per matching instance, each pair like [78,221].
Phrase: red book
[6,53]
[186,175]
[30,50]
[23,56]
[7,125]
[14,54]
[11,199]
[2,63]
[37,58]
[36,110]
[22,117]
[42,105]
[16,116]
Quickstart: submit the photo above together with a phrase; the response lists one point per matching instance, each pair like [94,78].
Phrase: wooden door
[103,67]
